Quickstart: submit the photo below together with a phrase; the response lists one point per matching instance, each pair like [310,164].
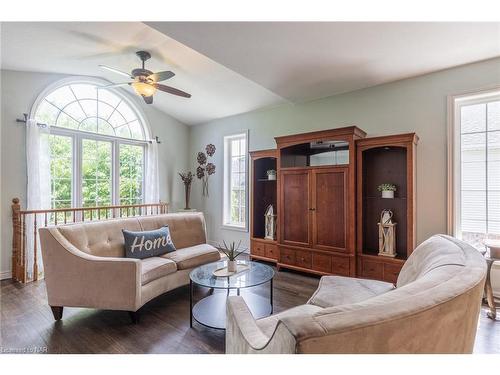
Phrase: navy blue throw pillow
[147,244]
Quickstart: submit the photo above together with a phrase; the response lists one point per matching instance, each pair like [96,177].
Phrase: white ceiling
[232,68]
[78,49]
[311,60]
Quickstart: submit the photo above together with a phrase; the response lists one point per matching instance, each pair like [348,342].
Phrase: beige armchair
[85,264]
[434,308]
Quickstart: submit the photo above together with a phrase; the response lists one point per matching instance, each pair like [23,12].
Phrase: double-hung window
[235,200]
[475,168]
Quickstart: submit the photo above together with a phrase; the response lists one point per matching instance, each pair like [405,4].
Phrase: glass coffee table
[211,310]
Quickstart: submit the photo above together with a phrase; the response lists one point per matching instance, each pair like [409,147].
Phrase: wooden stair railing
[42,218]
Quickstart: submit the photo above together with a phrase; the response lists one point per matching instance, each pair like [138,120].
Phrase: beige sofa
[85,264]
[434,308]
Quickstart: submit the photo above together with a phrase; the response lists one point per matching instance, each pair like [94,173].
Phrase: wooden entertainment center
[327,205]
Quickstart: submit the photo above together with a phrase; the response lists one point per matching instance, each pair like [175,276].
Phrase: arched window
[97,144]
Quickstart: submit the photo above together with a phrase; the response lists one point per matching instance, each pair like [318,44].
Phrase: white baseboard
[5,275]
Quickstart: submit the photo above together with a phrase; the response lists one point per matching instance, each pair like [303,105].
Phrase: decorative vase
[187,188]
[232,265]
[205,186]
[387,194]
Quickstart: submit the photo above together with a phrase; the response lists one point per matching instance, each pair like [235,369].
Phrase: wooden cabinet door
[330,205]
[295,203]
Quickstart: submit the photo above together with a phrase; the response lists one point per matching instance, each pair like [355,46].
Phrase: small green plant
[231,251]
[386,187]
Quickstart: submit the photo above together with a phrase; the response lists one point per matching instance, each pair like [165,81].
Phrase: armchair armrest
[75,278]
[243,335]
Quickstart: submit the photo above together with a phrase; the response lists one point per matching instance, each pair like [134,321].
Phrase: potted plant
[187,179]
[387,190]
[232,253]
[271,174]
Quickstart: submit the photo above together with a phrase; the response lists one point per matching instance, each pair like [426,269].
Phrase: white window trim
[454,103]
[227,183]
[78,135]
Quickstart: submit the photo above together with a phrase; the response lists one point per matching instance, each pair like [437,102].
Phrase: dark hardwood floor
[27,324]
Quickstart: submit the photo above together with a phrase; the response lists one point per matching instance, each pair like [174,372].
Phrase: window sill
[234,228]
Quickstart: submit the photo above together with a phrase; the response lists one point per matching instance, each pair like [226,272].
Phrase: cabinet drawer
[341,266]
[303,259]
[271,251]
[322,263]
[372,270]
[287,256]
[258,248]
[391,272]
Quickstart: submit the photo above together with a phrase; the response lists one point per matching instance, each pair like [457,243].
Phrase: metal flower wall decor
[205,169]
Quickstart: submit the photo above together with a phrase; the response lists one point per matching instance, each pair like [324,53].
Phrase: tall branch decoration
[187,178]
[205,169]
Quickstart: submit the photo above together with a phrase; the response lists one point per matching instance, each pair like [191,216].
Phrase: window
[235,181]
[476,168]
[97,142]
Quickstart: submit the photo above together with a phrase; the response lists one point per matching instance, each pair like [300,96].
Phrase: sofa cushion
[150,243]
[186,229]
[155,267]
[99,238]
[193,256]
[268,324]
[339,290]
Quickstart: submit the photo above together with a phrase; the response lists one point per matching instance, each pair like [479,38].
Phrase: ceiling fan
[145,82]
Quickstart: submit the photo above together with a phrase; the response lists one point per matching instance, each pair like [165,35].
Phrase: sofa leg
[57,311]
[134,316]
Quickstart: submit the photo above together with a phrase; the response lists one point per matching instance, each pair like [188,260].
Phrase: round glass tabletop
[256,274]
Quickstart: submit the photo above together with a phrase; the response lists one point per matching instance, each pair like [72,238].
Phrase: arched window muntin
[78,138]
[123,108]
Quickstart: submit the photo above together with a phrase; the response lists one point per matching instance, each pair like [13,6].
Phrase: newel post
[16,239]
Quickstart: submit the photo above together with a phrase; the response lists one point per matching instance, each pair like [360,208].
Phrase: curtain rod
[25,119]
[42,125]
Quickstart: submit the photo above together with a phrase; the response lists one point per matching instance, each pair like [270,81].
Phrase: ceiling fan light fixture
[143,89]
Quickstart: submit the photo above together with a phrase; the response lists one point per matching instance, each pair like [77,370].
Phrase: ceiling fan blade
[171,90]
[161,76]
[116,71]
[114,85]
[148,99]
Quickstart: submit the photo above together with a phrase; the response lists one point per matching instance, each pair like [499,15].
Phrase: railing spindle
[35,249]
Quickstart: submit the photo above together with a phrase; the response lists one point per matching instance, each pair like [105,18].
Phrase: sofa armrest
[75,278]
[243,335]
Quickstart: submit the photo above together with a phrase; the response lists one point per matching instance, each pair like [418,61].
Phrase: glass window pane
[96,173]
[136,130]
[61,97]
[46,113]
[105,110]
[235,147]
[61,169]
[123,131]
[89,125]
[89,107]
[108,97]
[473,147]
[84,91]
[473,118]
[64,121]
[494,146]
[494,115]
[131,173]
[104,127]
[125,110]
[116,119]
[74,110]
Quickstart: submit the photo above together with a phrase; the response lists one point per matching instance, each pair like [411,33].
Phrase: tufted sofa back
[105,238]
